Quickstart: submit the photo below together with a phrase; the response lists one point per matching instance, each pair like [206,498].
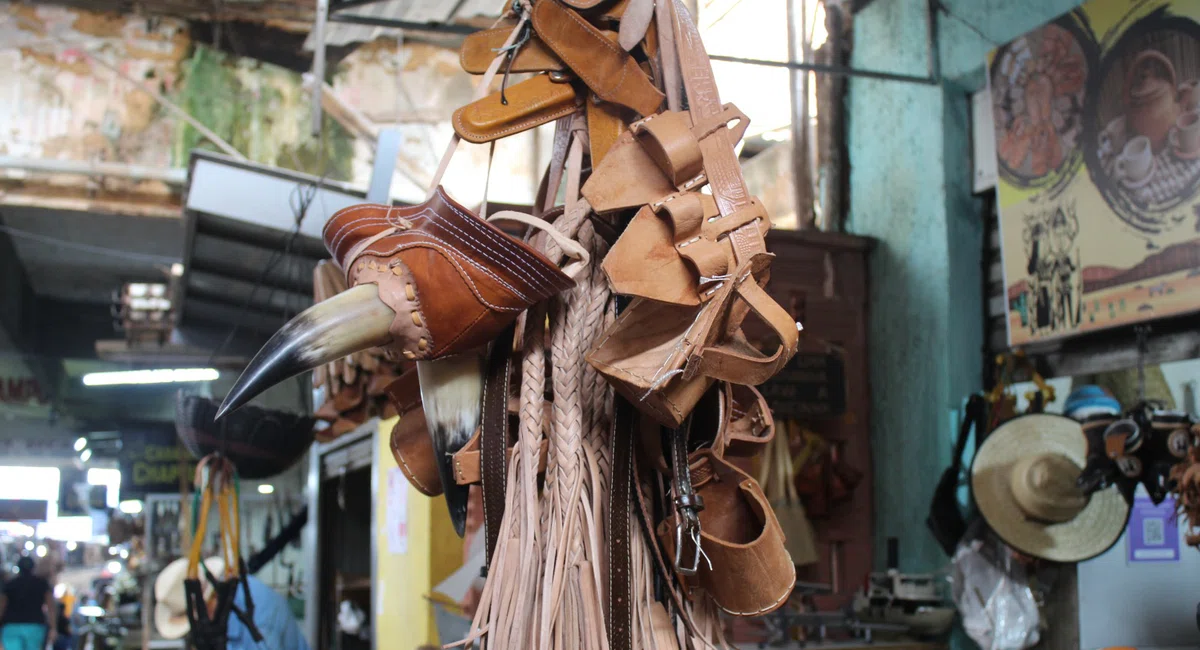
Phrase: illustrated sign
[1153,532]
[1097,119]
[809,386]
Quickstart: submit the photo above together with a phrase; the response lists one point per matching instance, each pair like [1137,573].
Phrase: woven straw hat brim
[1093,531]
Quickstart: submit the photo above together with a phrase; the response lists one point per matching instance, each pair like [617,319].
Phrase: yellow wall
[403,616]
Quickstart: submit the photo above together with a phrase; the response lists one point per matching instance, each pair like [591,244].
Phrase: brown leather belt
[493,436]
[620,509]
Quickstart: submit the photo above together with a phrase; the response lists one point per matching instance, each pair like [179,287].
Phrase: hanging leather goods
[216,479]
[723,536]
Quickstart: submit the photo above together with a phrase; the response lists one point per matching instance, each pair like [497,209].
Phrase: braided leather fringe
[546,585]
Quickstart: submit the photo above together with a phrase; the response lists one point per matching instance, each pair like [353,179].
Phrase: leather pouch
[745,566]
[663,357]
[531,103]
[656,158]
[483,278]
[410,442]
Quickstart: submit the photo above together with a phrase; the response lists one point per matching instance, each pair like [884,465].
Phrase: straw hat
[170,601]
[1023,479]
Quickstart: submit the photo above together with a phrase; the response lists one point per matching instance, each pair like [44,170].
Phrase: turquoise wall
[910,188]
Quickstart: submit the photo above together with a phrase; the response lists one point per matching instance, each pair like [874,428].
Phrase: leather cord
[620,508]
[493,438]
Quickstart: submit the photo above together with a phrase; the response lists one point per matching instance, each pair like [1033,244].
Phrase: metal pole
[318,69]
[830,69]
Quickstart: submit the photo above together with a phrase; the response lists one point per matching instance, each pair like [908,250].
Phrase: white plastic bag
[999,611]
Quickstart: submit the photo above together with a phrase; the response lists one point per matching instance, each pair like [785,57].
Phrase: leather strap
[720,162]
[608,71]
[748,366]
[493,436]
[480,48]
[620,509]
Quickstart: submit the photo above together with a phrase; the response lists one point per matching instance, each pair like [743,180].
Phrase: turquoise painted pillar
[910,188]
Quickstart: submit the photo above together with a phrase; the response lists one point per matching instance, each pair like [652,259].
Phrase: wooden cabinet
[821,279]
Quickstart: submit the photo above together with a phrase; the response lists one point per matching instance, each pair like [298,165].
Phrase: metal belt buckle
[689,520]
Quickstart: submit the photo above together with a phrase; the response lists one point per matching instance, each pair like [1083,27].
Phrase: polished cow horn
[351,321]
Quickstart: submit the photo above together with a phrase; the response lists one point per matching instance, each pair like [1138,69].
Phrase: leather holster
[482,278]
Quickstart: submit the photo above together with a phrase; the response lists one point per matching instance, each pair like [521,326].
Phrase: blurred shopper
[64,639]
[28,613]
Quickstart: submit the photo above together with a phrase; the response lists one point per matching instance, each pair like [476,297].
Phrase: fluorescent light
[28,546]
[80,443]
[130,507]
[86,455]
[162,376]
[266,488]
[71,546]
[90,611]
[114,567]
[41,550]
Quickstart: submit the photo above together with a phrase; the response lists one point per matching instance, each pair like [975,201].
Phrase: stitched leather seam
[515,253]
[447,247]
[411,475]
[345,229]
[543,288]
[462,272]
[416,302]
[500,254]
[351,210]
[768,608]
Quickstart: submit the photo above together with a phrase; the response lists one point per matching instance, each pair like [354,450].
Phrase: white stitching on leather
[448,249]
[514,251]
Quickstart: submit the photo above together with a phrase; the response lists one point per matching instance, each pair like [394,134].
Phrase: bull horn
[351,321]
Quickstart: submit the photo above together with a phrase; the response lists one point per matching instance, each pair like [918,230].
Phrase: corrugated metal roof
[415,11]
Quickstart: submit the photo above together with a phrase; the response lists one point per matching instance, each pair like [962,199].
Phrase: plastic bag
[999,610]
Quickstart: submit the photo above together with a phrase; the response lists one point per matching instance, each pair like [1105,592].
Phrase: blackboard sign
[150,462]
[811,385]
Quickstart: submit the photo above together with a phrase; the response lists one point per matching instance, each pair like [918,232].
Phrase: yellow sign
[1098,144]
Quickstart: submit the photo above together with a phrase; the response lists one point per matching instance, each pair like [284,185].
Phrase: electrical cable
[88,248]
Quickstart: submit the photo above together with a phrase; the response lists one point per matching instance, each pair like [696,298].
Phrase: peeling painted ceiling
[295,15]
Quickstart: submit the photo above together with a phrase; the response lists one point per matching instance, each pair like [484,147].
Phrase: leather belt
[620,508]
[687,503]
[493,436]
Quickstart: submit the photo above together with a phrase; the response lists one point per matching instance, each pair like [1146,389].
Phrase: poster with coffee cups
[1097,118]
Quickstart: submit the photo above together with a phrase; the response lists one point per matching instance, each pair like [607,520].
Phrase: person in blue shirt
[273,618]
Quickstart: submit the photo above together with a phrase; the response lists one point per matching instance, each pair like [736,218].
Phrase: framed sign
[811,385]
[1097,123]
